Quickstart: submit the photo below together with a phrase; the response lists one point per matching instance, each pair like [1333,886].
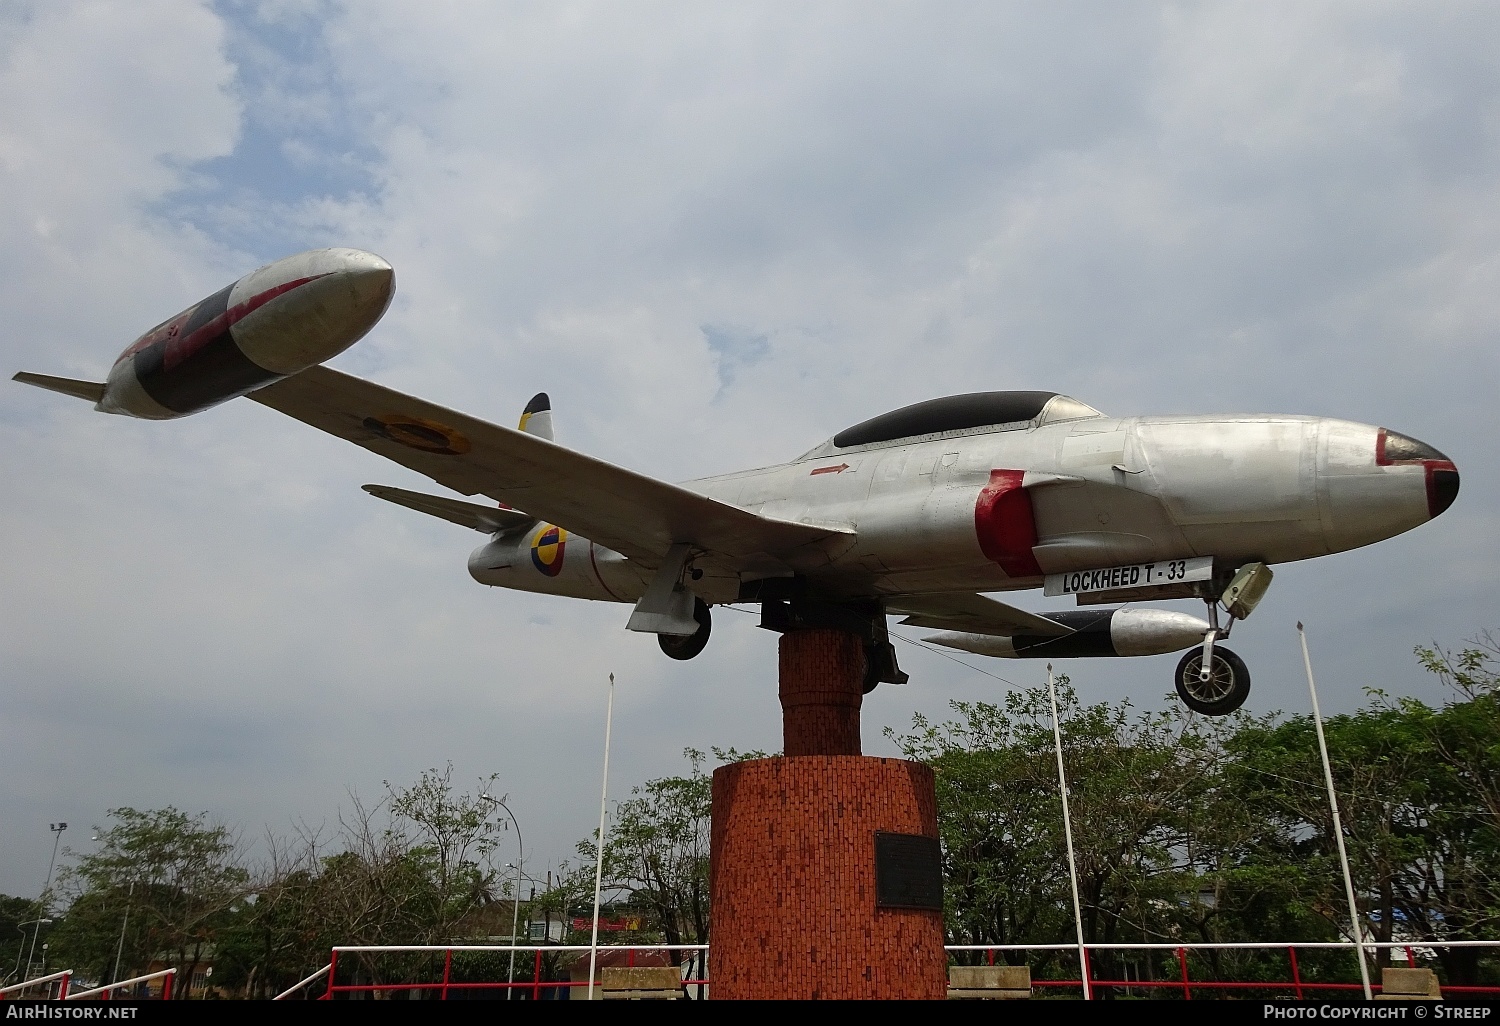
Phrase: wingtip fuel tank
[275,321]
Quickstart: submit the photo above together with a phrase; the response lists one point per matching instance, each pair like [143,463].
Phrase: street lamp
[20,928]
[515,903]
[57,832]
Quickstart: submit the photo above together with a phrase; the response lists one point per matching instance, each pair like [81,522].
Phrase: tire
[685,647]
[1222,693]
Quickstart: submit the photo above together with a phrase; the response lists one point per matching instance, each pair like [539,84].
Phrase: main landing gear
[685,646]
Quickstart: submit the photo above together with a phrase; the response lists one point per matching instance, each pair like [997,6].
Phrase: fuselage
[996,508]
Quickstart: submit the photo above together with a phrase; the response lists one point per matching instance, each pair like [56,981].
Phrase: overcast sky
[715,233]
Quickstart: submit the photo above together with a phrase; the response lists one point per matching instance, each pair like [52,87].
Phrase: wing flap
[973,614]
[631,513]
[466,514]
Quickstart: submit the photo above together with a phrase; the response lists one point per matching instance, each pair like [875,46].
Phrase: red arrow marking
[830,470]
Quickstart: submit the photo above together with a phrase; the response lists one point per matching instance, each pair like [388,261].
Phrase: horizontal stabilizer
[466,514]
[974,614]
[93,391]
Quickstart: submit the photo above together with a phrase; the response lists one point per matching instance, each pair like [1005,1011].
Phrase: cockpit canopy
[970,413]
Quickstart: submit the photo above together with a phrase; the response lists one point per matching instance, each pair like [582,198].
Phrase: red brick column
[792,881]
[792,876]
[822,685]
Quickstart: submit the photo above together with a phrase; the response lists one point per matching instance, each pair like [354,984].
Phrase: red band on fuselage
[1005,524]
[179,348]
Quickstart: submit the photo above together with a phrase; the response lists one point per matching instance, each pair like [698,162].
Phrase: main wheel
[685,646]
[1226,689]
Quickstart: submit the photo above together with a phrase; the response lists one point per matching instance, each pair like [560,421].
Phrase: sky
[716,234]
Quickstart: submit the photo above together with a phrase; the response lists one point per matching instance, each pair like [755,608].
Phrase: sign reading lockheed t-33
[917,512]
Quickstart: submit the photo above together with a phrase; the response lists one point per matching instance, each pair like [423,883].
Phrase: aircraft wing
[972,614]
[629,512]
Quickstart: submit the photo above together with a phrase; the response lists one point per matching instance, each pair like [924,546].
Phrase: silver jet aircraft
[918,512]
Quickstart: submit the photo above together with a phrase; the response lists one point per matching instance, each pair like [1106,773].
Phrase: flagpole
[609,719]
[1062,782]
[1338,826]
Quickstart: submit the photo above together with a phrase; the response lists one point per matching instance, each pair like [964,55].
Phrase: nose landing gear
[1211,679]
[1219,692]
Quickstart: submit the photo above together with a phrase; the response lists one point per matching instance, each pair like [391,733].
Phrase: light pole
[515,904]
[20,928]
[57,832]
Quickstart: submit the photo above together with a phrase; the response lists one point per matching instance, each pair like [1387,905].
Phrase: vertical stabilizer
[536,419]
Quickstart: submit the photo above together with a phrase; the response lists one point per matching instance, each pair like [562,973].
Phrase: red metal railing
[62,979]
[167,976]
[1185,985]
[65,978]
[535,985]
[1297,987]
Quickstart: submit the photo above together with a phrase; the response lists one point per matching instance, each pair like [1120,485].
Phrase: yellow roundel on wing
[416,433]
[547,550]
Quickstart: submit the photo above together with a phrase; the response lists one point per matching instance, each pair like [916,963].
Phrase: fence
[62,979]
[1183,985]
[65,978]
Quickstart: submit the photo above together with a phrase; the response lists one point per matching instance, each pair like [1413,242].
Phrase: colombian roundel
[547,550]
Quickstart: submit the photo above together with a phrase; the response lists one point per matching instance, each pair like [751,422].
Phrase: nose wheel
[1219,693]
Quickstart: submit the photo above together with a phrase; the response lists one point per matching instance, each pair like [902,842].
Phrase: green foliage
[14,936]
[1185,829]
[658,850]
[1220,830]
[176,877]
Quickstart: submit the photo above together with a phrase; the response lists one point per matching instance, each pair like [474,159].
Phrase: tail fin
[536,419]
[93,391]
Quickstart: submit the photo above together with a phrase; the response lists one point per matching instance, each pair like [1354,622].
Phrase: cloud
[715,234]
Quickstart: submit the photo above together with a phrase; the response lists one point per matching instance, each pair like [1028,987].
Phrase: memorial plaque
[908,871]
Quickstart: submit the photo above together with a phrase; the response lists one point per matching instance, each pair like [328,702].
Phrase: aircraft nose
[1394,449]
[1442,489]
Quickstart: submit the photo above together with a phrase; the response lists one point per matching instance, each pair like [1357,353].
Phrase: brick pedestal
[793,877]
[822,685]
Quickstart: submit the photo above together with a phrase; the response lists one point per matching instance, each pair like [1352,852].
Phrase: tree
[658,849]
[178,875]
[14,936]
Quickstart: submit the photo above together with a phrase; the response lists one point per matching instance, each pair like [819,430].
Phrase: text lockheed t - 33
[917,512]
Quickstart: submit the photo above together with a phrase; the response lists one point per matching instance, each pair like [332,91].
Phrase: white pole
[515,916]
[124,923]
[1338,826]
[1062,782]
[57,829]
[609,718]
